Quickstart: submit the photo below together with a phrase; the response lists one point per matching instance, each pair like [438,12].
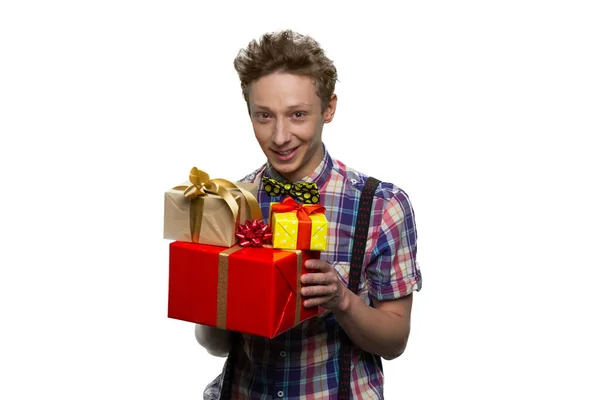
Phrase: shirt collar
[320,175]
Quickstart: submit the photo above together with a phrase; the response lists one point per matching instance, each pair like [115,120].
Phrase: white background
[484,112]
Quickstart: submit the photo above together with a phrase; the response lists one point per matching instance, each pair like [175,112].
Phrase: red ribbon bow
[254,234]
[303,211]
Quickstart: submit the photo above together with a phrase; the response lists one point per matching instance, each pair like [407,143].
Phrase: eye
[262,115]
[299,114]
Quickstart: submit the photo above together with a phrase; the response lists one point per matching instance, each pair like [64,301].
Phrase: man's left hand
[322,287]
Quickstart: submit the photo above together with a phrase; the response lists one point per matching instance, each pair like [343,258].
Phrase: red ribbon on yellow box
[303,213]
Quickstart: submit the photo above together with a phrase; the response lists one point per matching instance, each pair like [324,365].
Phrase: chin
[290,167]
[284,169]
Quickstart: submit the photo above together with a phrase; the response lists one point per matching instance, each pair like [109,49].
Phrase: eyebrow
[299,105]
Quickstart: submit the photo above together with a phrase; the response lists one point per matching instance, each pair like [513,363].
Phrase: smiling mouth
[287,155]
[287,152]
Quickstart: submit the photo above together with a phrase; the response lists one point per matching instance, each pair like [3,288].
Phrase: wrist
[345,301]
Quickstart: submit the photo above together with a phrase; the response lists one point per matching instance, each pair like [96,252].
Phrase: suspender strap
[358,253]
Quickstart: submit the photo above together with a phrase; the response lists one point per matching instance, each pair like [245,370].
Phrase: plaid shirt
[302,362]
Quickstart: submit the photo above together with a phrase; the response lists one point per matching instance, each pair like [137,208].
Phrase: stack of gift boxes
[231,268]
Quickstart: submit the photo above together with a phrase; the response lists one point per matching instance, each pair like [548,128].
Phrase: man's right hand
[217,342]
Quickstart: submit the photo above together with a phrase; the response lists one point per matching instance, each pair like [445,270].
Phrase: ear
[330,110]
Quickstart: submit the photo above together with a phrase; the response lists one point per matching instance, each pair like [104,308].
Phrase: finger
[319,291]
[317,278]
[317,264]
[317,301]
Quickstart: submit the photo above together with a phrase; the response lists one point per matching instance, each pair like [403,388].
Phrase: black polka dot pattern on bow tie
[303,192]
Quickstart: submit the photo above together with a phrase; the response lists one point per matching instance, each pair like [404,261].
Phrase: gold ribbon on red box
[222,283]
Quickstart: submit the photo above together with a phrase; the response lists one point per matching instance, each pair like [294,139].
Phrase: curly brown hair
[286,51]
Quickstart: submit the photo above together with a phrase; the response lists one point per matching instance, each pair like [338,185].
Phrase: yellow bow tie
[303,192]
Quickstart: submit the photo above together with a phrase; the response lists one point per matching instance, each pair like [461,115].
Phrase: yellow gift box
[298,226]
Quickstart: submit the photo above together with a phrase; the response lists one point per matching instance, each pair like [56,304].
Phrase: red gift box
[244,289]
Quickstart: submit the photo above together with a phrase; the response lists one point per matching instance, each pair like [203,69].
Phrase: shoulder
[387,194]
[254,175]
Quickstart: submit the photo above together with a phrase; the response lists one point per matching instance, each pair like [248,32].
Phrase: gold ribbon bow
[303,192]
[201,186]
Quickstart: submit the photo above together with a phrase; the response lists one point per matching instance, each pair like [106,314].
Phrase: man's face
[286,116]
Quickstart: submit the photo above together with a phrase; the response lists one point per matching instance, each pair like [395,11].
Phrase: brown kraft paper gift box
[207,211]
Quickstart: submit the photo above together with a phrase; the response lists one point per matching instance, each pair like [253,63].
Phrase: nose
[281,134]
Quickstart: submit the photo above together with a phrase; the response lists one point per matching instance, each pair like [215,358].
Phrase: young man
[288,84]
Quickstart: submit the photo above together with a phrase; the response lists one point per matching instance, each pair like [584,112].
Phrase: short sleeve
[393,270]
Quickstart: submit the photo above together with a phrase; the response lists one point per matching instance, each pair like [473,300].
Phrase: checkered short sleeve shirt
[302,362]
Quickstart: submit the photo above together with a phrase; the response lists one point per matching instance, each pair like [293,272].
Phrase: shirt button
[280,393]
[282,354]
